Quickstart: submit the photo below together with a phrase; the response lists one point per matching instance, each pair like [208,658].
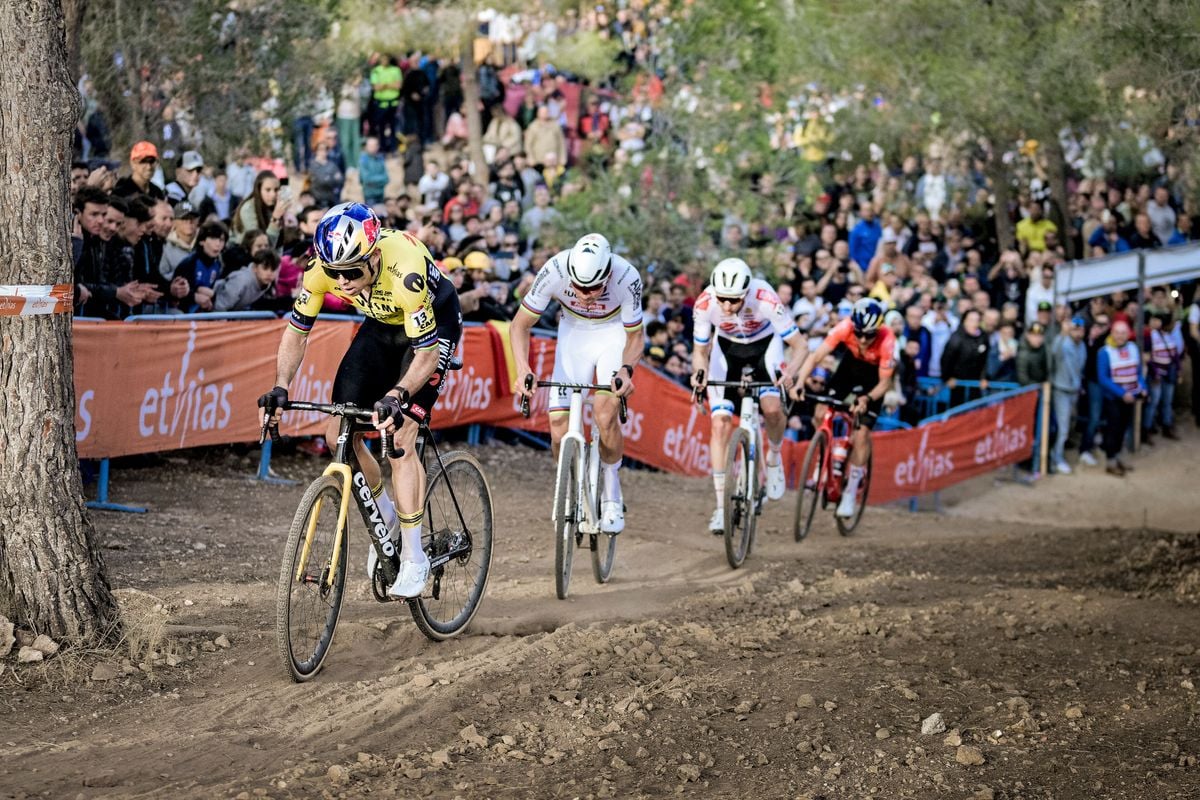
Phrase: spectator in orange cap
[143,160]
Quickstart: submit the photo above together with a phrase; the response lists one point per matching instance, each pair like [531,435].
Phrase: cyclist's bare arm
[814,358]
[635,344]
[419,370]
[291,353]
[799,347]
[518,334]
[700,356]
[881,388]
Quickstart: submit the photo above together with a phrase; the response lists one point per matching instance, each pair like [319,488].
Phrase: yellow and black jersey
[405,292]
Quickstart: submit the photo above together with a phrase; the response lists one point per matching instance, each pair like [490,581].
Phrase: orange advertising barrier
[155,386]
[940,454]
[151,386]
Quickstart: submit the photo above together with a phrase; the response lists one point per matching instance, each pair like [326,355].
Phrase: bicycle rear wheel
[846,526]
[812,482]
[740,480]
[566,515]
[308,596]
[458,521]
[603,545]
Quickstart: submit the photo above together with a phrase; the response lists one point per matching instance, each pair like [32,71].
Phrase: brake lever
[623,412]
[698,391]
[525,398]
[385,438]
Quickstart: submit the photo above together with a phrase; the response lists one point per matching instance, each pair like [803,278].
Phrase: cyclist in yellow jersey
[396,362]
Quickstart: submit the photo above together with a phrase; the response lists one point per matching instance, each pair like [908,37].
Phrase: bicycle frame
[590,472]
[345,468]
[836,411]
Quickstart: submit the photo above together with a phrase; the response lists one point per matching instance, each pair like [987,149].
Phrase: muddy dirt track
[1053,628]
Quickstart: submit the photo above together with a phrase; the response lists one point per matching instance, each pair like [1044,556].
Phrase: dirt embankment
[1051,633]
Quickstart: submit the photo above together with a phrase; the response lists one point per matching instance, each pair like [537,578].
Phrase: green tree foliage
[727,67]
[217,61]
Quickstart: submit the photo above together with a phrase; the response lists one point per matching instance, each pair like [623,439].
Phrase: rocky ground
[1031,642]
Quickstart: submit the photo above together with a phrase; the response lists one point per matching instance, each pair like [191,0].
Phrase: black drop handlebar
[575,387]
[847,405]
[335,410]
[698,392]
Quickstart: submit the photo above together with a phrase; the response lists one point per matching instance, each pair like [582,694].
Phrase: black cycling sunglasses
[350,273]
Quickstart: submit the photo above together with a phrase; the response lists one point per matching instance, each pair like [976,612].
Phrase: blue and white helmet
[346,234]
[867,315]
[590,261]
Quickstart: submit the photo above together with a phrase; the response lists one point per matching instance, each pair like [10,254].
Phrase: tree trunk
[1056,176]
[470,90]
[51,573]
[73,12]
[998,172]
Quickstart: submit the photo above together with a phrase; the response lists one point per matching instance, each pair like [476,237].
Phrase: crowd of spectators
[920,235]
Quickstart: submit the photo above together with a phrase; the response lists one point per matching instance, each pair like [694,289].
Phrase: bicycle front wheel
[603,545]
[740,485]
[846,526]
[458,524]
[312,577]
[566,515]
[812,480]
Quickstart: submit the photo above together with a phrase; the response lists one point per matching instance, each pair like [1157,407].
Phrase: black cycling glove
[276,398]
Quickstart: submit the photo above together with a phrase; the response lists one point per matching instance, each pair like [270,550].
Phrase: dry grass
[140,640]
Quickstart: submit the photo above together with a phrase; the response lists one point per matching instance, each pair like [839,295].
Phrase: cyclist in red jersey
[866,350]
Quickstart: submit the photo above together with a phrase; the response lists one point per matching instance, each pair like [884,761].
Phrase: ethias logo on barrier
[1003,441]
[188,404]
[925,465]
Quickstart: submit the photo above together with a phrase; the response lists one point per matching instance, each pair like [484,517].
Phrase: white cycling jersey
[591,336]
[762,315]
[621,300]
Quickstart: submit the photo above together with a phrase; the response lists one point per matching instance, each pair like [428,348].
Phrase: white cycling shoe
[411,579]
[776,481]
[373,557]
[847,506]
[612,516]
[717,523]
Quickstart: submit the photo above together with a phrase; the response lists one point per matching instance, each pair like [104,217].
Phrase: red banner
[940,454]
[155,386]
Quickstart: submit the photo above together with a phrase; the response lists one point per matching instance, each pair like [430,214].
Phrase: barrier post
[1044,439]
[101,501]
[264,468]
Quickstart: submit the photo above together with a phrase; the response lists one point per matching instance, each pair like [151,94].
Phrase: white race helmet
[731,278]
[590,261]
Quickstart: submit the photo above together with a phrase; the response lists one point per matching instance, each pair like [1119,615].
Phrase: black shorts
[857,377]
[750,356]
[380,355]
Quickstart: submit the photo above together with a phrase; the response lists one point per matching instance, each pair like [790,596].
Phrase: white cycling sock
[856,475]
[719,486]
[775,454]
[612,480]
[387,509]
[410,536]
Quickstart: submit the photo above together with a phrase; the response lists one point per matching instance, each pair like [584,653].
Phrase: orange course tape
[29,300]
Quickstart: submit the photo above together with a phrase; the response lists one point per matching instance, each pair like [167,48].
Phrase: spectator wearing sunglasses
[143,161]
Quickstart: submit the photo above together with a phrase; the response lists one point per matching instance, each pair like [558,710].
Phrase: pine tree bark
[470,90]
[52,576]
[997,172]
